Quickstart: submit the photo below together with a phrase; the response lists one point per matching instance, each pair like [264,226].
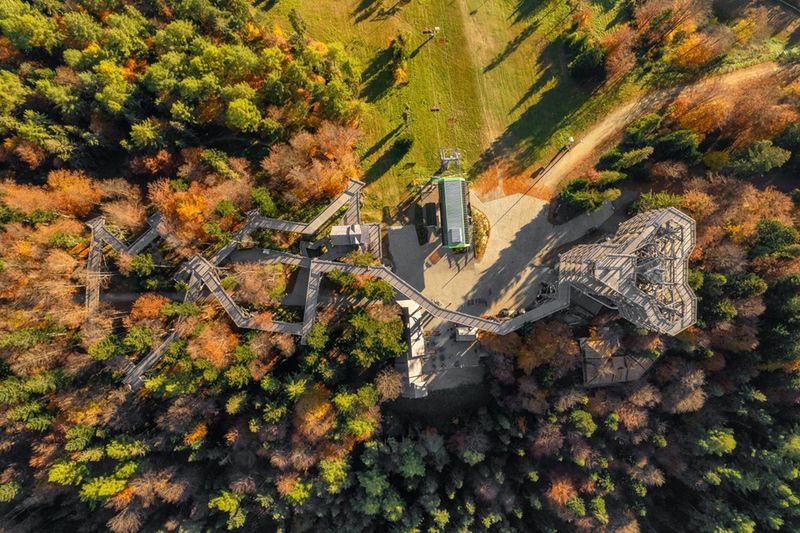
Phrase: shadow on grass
[374,8]
[511,46]
[416,50]
[389,12]
[794,38]
[528,8]
[365,9]
[517,145]
[624,14]
[548,73]
[377,77]
[380,143]
[387,160]
[266,5]
[517,41]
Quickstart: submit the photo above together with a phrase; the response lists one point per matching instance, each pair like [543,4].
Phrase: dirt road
[589,142]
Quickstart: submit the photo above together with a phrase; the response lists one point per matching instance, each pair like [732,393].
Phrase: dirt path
[587,143]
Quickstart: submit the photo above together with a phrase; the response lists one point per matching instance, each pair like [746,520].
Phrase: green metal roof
[452,197]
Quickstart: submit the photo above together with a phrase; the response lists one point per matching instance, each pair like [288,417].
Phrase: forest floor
[498,76]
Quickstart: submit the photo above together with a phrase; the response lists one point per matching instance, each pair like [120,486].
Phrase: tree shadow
[365,9]
[624,14]
[537,86]
[528,8]
[374,9]
[533,128]
[380,143]
[384,14]
[387,160]
[794,38]
[416,50]
[511,46]
[377,77]
[517,41]
[266,5]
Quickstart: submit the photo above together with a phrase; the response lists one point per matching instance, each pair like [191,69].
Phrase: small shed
[466,334]
[352,235]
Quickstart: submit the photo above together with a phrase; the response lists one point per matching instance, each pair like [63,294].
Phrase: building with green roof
[454,207]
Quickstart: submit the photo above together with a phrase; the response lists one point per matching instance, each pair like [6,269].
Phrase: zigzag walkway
[133,376]
[256,221]
[400,285]
[100,236]
[203,273]
[204,276]
[312,298]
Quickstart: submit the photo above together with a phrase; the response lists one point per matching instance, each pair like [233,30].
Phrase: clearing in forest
[495,74]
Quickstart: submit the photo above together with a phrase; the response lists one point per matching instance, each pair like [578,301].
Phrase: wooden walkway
[202,274]
[255,221]
[318,266]
[203,278]
[101,237]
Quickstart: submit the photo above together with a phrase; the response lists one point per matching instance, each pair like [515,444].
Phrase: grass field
[495,71]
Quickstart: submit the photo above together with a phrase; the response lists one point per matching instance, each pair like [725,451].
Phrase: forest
[203,110]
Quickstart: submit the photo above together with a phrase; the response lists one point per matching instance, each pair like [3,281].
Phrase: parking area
[514,265]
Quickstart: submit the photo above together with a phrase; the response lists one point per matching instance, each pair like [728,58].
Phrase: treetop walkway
[658,270]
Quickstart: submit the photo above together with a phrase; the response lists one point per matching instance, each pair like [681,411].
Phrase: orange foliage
[732,114]
[548,341]
[562,489]
[631,417]
[77,193]
[285,483]
[702,117]
[146,309]
[125,214]
[314,167]
[39,280]
[26,198]
[699,48]
[732,210]
[619,47]
[215,343]
[313,414]
[160,163]
[190,207]
[698,204]
[263,319]
[773,268]
[187,211]
[199,432]
[67,226]
[33,154]
[7,50]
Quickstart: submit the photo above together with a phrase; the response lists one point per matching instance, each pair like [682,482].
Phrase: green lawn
[500,80]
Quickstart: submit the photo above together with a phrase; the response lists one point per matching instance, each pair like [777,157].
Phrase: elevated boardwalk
[667,237]
[203,273]
[101,237]
[256,221]
[133,376]
[561,301]
[312,299]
